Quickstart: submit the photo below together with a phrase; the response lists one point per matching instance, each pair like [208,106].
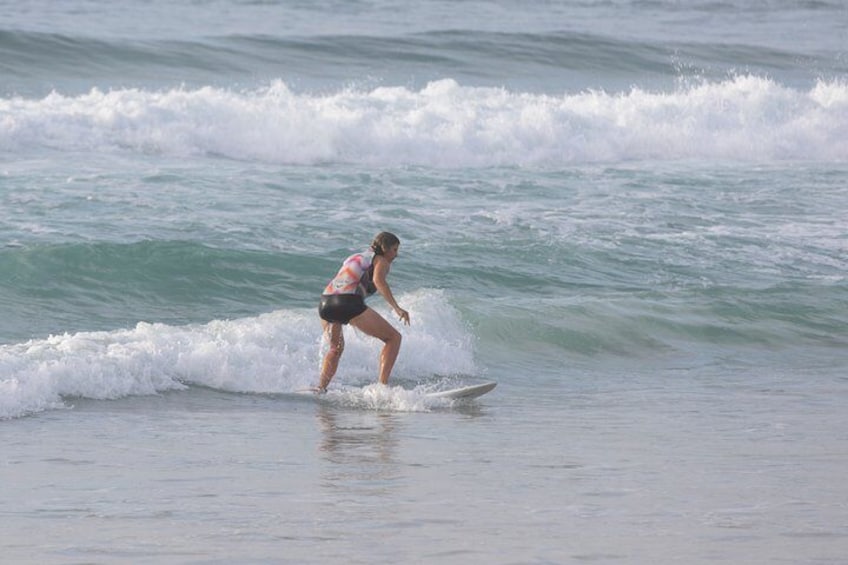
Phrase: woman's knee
[335,337]
[394,337]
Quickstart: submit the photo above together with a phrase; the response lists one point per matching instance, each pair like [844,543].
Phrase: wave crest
[748,118]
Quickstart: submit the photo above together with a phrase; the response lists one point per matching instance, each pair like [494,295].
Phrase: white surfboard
[465,392]
[314,391]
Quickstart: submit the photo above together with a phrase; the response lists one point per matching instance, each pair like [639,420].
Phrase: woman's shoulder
[381,262]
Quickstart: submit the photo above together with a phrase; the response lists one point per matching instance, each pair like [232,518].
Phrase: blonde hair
[384,241]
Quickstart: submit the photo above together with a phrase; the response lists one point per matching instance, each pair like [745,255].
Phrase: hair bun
[384,240]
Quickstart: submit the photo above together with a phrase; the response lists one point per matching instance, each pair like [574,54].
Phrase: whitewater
[270,354]
[444,124]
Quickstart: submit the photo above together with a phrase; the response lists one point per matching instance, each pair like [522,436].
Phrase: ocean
[631,214]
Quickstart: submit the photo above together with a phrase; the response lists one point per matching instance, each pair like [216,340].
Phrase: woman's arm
[381,271]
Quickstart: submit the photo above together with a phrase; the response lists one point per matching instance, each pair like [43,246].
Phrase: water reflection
[361,449]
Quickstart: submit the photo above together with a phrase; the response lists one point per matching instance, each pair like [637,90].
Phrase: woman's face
[391,252]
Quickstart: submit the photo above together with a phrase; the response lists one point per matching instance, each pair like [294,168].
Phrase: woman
[343,302]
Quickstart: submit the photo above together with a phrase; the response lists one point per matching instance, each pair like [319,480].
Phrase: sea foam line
[444,124]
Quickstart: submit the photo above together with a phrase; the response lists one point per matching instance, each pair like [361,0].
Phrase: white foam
[445,124]
[273,353]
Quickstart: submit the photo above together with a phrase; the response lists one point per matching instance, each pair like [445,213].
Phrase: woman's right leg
[335,336]
[375,325]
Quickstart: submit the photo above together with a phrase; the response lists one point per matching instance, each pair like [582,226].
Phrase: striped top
[355,276]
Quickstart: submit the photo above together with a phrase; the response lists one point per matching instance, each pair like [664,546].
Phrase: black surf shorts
[341,308]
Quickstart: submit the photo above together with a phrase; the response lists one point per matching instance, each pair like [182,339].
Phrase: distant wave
[545,59]
[746,118]
[25,51]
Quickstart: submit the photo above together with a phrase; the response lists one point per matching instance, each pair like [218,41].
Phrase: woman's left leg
[375,325]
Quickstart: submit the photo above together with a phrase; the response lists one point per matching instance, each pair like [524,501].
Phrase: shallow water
[634,472]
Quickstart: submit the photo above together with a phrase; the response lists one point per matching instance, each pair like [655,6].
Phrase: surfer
[343,302]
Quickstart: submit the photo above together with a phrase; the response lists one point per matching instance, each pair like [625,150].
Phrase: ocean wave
[541,60]
[802,324]
[745,118]
[27,52]
[278,352]
[93,284]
